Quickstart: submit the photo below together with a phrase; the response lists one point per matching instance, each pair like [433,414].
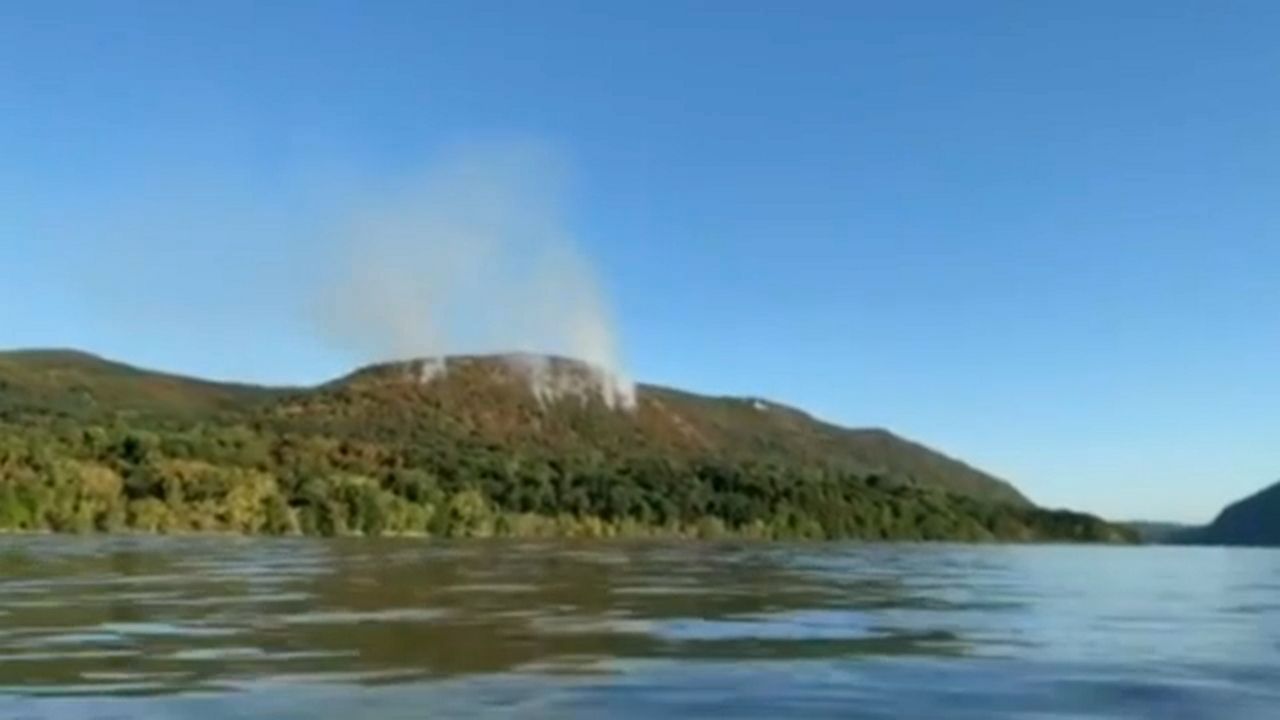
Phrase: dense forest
[92,446]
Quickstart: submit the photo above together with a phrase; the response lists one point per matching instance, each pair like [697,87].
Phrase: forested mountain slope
[470,446]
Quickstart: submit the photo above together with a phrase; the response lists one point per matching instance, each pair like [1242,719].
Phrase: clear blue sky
[1044,237]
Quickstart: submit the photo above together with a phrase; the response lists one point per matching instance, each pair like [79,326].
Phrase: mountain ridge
[68,379]
[707,423]
[427,443]
[1252,521]
[878,448]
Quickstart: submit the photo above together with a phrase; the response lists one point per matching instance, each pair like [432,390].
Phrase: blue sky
[1044,237]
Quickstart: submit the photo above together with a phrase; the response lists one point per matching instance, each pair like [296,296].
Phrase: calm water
[226,628]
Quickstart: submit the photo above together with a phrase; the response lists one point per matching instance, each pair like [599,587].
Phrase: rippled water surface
[230,628]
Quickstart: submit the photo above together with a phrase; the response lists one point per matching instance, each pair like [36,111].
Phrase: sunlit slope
[527,446]
[78,384]
[489,399]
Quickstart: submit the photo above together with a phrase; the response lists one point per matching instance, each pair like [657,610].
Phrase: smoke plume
[475,256]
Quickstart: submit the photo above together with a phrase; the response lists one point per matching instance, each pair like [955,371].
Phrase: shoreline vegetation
[135,483]
[86,446]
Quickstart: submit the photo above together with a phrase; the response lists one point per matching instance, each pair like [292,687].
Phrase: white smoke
[475,257]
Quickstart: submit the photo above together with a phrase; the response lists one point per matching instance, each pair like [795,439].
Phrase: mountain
[80,384]
[1159,532]
[419,444]
[1254,520]
[490,398]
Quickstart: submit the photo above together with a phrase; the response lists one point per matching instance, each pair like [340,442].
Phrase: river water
[147,627]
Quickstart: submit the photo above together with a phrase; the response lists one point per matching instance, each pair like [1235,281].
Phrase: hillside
[487,399]
[82,385]
[1157,532]
[504,438]
[1254,520]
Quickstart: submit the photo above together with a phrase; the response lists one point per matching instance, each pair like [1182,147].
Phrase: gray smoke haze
[475,256]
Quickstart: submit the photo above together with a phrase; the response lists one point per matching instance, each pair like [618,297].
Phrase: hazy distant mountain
[433,444]
[1160,532]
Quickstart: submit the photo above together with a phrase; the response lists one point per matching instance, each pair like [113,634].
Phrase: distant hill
[1160,532]
[1254,520]
[528,436]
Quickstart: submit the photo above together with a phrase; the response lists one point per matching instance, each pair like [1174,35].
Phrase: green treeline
[64,475]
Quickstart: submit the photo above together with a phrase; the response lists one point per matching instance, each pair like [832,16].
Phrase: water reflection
[162,623]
